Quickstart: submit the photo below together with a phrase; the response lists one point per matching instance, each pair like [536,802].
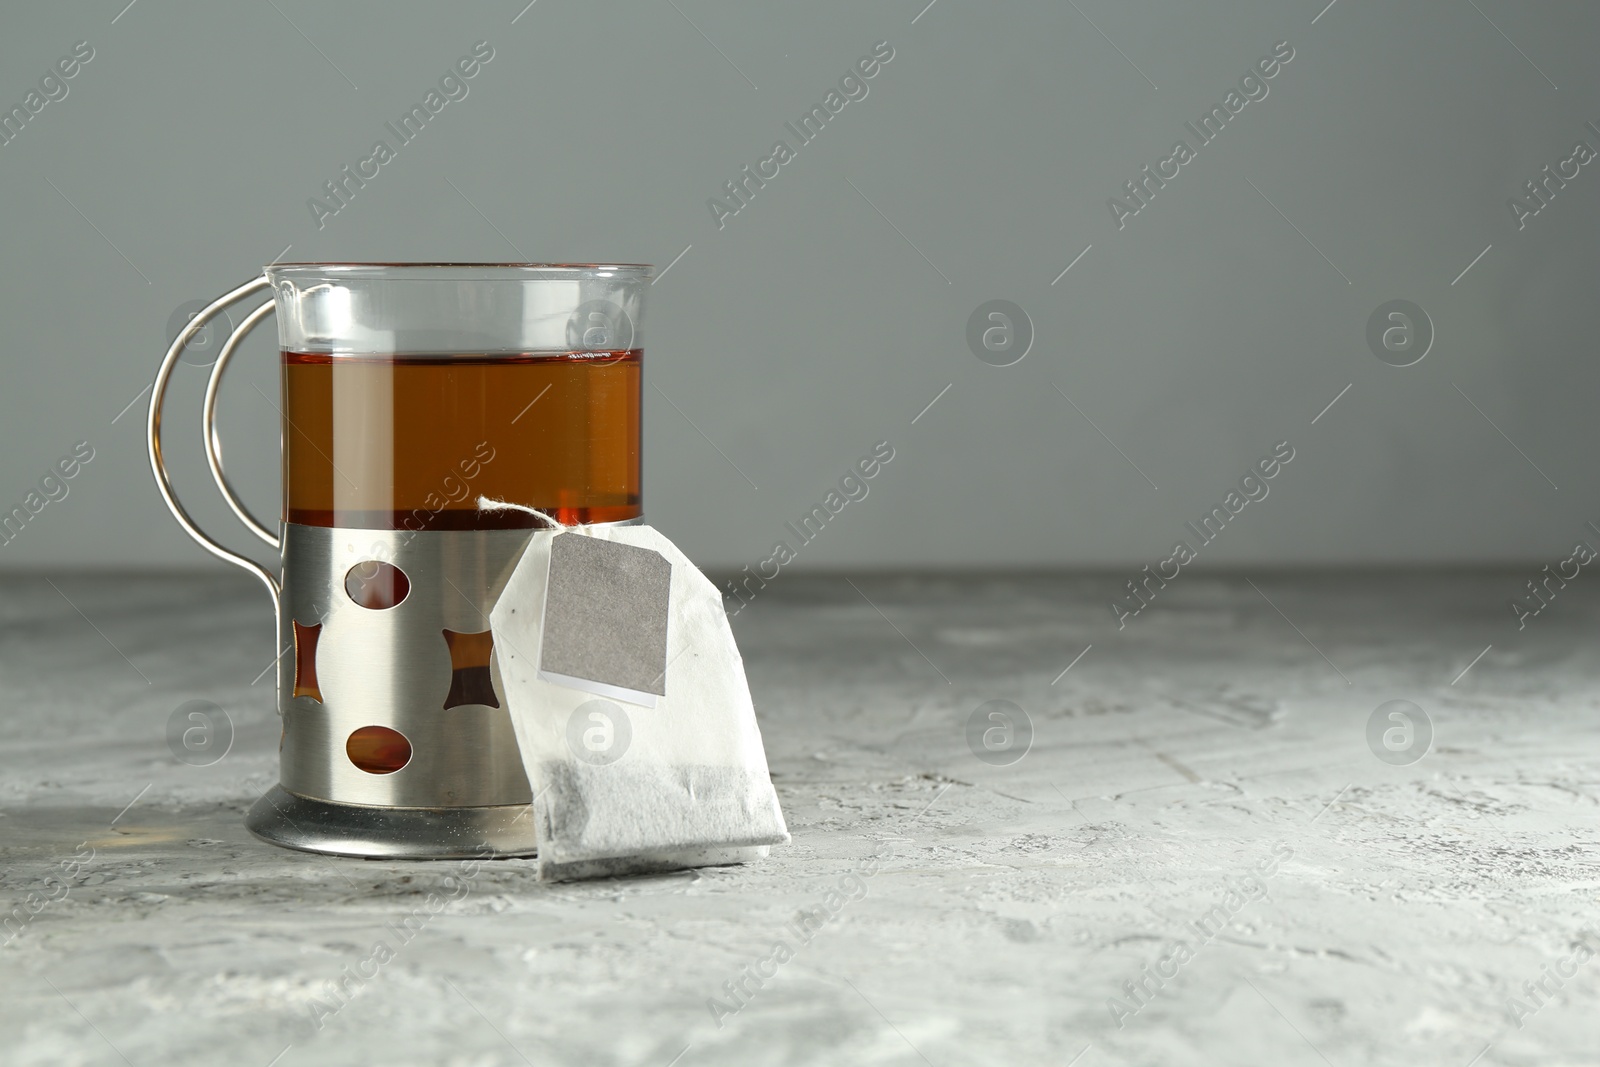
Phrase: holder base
[284,818]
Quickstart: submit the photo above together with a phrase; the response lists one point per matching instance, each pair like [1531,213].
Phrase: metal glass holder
[461,790]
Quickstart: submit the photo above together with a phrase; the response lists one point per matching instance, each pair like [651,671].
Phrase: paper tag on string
[605,619]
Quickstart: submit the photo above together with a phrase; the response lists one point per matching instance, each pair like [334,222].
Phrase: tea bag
[631,708]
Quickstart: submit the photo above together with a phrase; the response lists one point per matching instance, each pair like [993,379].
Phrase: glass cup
[417,400]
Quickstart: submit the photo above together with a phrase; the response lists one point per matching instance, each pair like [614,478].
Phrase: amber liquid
[412,442]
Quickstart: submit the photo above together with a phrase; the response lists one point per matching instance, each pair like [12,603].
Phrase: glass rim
[399,270]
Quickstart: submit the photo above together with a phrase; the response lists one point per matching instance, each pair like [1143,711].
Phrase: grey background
[809,328]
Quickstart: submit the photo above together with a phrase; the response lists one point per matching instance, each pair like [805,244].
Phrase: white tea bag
[631,708]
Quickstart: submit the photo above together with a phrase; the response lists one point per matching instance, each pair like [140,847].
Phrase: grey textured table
[1075,903]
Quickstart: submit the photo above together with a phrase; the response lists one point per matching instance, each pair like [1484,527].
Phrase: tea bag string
[489,503]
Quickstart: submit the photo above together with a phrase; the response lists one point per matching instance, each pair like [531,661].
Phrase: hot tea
[412,441]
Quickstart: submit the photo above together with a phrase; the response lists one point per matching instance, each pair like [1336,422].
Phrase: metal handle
[158,395]
[208,425]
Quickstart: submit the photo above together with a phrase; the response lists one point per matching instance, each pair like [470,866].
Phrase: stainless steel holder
[463,784]
[461,790]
